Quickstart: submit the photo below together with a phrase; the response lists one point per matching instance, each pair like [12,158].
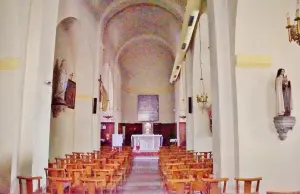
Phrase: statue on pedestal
[283,120]
[283,94]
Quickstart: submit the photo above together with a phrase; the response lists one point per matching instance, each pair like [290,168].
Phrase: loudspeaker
[190,101]
[95,106]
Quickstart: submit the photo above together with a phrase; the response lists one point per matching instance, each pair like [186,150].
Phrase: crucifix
[100,80]
[100,88]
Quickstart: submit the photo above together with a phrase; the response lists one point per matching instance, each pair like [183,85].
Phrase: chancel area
[144,96]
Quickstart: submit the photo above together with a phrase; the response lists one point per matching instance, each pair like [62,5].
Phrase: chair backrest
[29,184]
[179,184]
[248,184]
[59,184]
[199,186]
[213,185]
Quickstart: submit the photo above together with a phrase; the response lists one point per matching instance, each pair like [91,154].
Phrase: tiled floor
[144,178]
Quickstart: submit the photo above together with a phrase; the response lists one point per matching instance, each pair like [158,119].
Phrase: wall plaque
[148,108]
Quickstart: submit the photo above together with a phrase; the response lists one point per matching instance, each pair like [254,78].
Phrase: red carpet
[145,154]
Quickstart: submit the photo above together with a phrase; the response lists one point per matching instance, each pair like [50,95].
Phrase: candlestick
[288,19]
[289,34]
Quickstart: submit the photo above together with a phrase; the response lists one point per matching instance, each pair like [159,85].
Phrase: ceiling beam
[194,8]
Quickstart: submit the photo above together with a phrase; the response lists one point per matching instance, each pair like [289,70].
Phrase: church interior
[149,96]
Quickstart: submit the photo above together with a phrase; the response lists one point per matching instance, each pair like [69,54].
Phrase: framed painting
[70,95]
[148,108]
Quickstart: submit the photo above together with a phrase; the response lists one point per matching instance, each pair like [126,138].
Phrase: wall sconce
[108,116]
[294,29]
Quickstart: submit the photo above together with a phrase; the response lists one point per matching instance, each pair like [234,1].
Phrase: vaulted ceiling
[123,21]
[140,27]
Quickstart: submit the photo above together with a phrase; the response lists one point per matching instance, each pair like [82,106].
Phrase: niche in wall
[63,87]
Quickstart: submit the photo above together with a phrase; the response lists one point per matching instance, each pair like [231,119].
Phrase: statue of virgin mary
[283,90]
[60,82]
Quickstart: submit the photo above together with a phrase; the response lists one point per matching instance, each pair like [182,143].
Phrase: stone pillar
[181,106]
[13,25]
[189,94]
[225,137]
[84,68]
[34,135]
[96,135]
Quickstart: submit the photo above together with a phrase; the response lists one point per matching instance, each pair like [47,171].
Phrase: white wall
[180,101]
[202,133]
[261,30]
[14,25]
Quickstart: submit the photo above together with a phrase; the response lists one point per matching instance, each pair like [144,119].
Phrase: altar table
[147,142]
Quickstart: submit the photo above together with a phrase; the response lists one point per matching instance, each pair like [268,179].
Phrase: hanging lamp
[203,97]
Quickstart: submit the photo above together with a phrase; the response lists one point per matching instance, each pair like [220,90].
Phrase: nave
[144,178]
[116,170]
[108,170]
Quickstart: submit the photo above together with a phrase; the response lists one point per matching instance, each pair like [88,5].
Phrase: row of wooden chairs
[101,170]
[186,171]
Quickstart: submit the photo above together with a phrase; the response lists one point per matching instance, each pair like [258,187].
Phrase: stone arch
[119,5]
[67,22]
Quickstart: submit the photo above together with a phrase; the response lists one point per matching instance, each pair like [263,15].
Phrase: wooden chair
[58,185]
[29,184]
[55,172]
[52,165]
[248,184]
[199,173]
[75,174]
[213,185]
[107,175]
[92,184]
[178,185]
[199,186]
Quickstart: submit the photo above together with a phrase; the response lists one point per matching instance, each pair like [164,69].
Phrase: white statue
[60,82]
[283,94]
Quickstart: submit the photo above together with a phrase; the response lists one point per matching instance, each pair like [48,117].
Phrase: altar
[146,142]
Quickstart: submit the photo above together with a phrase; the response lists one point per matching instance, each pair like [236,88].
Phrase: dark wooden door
[107,129]
[131,129]
[167,130]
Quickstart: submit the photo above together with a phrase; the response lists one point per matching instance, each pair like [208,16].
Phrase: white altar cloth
[147,142]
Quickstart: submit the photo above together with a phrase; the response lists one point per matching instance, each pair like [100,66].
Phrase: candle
[288,19]
[297,13]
